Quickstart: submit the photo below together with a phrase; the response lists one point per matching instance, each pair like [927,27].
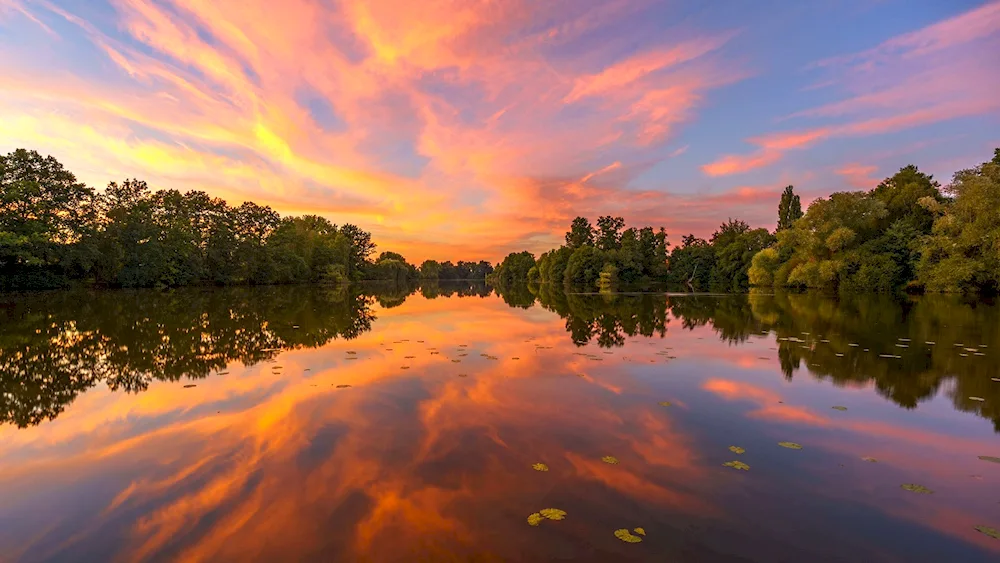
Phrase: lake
[383,424]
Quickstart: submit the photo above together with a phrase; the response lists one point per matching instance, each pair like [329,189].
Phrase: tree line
[55,229]
[906,233]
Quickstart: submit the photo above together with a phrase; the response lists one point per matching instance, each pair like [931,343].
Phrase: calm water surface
[298,424]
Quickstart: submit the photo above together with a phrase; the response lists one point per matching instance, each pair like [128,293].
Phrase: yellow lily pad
[535,519]
[990,458]
[626,536]
[839,408]
[991,532]
[664,403]
[737,465]
[790,445]
[640,531]
[920,489]
[540,467]
[610,459]
[736,449]
[553,513]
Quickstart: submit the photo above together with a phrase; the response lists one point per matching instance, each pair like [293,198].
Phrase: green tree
[789,209]
[580,234]
[44,212]
[608,234]
[962,253]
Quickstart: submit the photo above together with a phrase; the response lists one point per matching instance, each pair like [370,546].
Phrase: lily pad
[737,465]
[736,449]
[640,531]
[190,386]
[463,375]
[540,467]
[980,399]
[610,459]
[352,352]
[535,519]
[869,459]
[790,445]
[343,386]
[626,536]
[991,532]
[920,489]
[404,367]
[664,403]
[553,513]
[990,458]
[839,408]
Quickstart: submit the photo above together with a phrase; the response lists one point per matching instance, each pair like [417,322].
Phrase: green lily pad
[991,532]
[990,458]
[839,408]
[535,519]
[920,489]
[553,513]
[790,445]
[626,536]
[736,449]
[640,531]
[737,465]
[540,467]
[610,459]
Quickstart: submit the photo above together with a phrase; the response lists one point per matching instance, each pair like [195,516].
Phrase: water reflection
[428,454]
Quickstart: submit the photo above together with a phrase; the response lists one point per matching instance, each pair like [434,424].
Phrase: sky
[467,129]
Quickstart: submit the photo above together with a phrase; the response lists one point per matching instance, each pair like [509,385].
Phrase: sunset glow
[467,129]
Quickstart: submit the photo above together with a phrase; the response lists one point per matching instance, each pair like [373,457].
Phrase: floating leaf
[534,519]
[664,403]
[991,532]
[343,386]
[515,358]
[463,375]
[610,459]
[190,386]
[352,352]
[737,465]
[640,531]
[869,459]
[404,367]
[456,361]
[992,378]
[553,513]
[626,536]
[736,449]
[990,458]
[540,467]
[977,399]
[790,445]
[839,408]
[920,489]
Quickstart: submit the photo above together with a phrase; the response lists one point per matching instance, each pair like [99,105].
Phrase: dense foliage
[54,229]
[905,233]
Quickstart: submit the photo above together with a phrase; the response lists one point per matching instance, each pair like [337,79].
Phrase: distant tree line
[906,233]
[54,230]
